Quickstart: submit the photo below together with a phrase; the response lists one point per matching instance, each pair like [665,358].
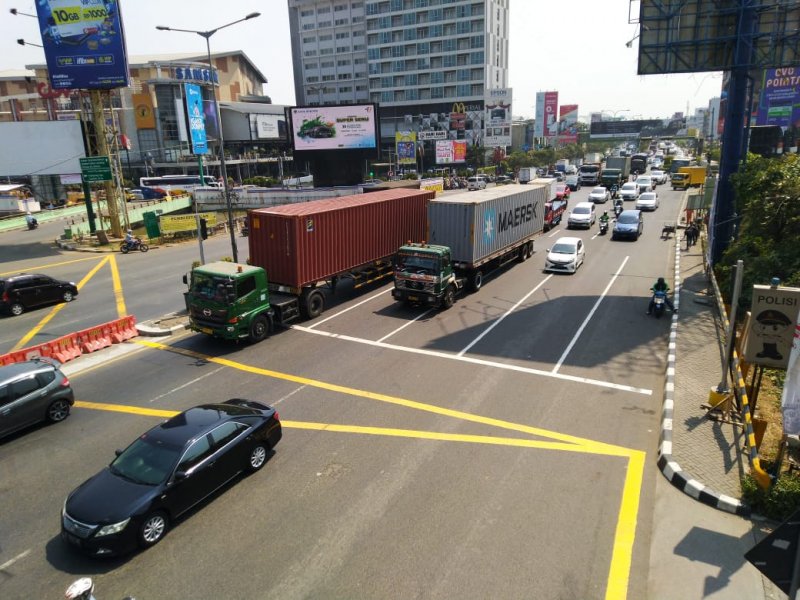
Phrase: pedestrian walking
[692,232]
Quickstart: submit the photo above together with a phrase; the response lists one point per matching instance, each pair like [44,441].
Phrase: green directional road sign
[95,168]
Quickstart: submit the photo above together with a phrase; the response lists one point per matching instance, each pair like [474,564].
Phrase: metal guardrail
[762,477]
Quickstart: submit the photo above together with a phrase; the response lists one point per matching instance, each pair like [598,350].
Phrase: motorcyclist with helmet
[660,286]
[30,220]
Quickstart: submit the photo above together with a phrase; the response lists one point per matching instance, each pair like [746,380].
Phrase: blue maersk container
[481,225]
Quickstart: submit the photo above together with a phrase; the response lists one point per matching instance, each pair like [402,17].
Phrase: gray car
[629,224]
[31,392]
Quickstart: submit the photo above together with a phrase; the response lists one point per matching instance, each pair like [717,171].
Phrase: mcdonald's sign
[458,116]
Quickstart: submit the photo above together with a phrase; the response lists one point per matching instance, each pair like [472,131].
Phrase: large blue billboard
[197,121]
[84,44]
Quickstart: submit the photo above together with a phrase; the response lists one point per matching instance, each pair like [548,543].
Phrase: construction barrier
[71,346]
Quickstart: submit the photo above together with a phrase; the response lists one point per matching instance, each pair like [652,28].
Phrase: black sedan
[24,291]
[165,472]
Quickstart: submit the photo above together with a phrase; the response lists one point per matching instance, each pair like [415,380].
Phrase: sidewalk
[697,551]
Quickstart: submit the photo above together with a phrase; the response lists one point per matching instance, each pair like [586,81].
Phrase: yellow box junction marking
[625,531]
[57,308]
[50,265]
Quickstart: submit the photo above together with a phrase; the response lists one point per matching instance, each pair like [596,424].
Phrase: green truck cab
[424,274]
[233,302]
[610,178]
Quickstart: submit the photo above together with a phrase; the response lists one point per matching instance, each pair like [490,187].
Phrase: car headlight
[113,528]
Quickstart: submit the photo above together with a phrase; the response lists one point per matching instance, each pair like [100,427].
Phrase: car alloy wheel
[152,529]
[68,297]
[17,309]
[258,456]
[58,411]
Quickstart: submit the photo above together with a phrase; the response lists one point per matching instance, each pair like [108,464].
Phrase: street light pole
[223,167]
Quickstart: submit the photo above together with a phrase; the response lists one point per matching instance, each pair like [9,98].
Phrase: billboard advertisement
[196,119]
[351,127]
[497,118]
[538,124]
[643,128]
[406,146]
[84,44]
[568,124]
[270,127]
[550,114]
[451,151]
[779,101]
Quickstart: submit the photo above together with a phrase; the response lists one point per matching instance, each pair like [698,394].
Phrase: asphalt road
[496,449]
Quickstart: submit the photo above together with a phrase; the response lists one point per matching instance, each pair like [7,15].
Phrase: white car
[600,195]
[476,183]
[629,191]
[583,215]
[645,183]
[566,255]
[647,201]
[659,177]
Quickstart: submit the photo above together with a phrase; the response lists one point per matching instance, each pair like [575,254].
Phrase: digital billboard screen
[84,44]
[340,127]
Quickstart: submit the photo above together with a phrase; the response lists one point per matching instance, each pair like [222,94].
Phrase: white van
[583,215]
[476,183]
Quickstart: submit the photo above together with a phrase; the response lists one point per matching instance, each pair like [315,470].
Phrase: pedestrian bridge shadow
[726,552]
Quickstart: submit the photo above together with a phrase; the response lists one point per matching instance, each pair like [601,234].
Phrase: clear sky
[576,47]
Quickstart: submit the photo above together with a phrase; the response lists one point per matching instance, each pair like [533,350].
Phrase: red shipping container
[301,244]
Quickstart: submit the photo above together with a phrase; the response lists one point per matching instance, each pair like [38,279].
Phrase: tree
[519,159]
[767,192]
[476,156]
[544,157]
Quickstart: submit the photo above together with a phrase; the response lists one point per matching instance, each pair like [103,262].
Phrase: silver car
[31,392]
[476,183]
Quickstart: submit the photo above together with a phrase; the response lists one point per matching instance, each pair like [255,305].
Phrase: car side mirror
[118,451]
[181,475]
[185,279]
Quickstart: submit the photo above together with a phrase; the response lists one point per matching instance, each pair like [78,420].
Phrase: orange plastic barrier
[71,346]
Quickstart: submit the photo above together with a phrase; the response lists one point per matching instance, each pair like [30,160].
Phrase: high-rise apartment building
[421,60]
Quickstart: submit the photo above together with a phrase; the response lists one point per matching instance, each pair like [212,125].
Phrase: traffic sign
[95,168]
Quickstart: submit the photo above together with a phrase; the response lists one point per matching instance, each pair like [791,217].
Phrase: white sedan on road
[566,255]
[659,177]
[647,201]
[599,195]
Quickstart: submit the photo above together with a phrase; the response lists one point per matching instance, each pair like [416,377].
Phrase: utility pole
[101,149]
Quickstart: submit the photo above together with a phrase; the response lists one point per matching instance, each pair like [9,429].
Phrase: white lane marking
[399,329]
[287,396]
[477,361]
[588,317]
[188,383]
[8,563]
[556,232]
[341,312]
[508,312]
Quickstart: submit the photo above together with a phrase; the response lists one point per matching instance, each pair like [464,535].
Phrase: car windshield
[210,287]
[599,190]
[581,210]
[563,248]
[628,219]
[647,196]
[629,186]
[417,263]
[642,180]
[146,461]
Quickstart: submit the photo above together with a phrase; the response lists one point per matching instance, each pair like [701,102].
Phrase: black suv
[24,291]
[33,391]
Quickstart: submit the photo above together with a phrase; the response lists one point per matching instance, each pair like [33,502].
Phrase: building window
[437,92]
[309,40]
[324,24]
[342,63]
[345,89]
[328,78]
[308,26]
[312,79]
[310,53]
[340,7]
[323,10]
[342,35]
[359,47]
[340,22]
[360,60]
[306,13]
[463,90]
[386,96]
[345,76]
[476,58]
[326,38]
[310,66]
[327,64]
[412,95]
[326,51]
[358,19]
[437,31]
[342,49]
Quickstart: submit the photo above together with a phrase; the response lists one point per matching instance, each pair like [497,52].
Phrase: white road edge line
[508,312]
[589,317]
[188,383]
[349,308]
[556,232]
[477,361]
[399,329]
[8,563]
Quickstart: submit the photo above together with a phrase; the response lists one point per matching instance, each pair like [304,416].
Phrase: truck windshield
[210,287]
[417,263]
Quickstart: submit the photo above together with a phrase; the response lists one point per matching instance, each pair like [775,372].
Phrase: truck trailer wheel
[476,280]
[259,328]
[313,304]
[523,253]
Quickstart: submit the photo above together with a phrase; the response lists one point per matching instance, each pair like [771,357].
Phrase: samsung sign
[196,74]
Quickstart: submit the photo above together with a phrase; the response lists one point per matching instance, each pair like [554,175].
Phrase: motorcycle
[603,227]
[659,303]
[617,210]
[136,244]
[33,224]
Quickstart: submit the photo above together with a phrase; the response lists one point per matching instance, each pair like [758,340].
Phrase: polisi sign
[771,325]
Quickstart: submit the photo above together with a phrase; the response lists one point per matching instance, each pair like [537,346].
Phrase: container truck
[617,170]
[297,252]
[554,207]
[526,174]
[469,236]
[590,173]
[639,163]
[562,164]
